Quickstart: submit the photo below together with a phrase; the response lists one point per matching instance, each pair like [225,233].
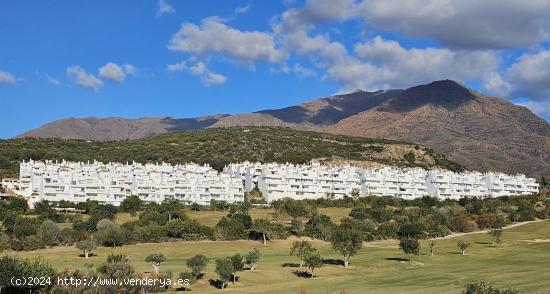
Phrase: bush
[229,229]
[32,243]
[25,226]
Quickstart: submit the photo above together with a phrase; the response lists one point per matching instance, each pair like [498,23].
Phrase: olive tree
[409,246]
[263,227]
[252,258]
[87,246]
[301,249]
[155,259]
[462,246]
[347,240]
[197,264]
[313,260]
[224,269]
[238,265]
[432,245]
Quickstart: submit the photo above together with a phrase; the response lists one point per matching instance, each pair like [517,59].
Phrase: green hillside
[219,146]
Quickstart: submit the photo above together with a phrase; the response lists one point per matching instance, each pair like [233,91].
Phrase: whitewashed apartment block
[193,183]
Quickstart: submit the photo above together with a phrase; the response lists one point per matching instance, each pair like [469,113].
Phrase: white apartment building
[277,181]
[192,183]
[407,183]
[112,182]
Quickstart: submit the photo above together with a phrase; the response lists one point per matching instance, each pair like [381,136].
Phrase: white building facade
[113,182]
[193,183]
[277,181]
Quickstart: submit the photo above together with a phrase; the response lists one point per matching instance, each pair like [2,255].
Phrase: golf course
[520,261]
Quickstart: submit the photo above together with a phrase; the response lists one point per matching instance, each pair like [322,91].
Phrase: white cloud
[242,9]
[530,75]
[382,64]
[473,24]
[7,78]
[213,36]
[494,84]
[302,71]
[212,79]
[316,12]
[115,72]
[198,69]
[176,66]
[541,108]
[130,69]
[83,78]
[53,81]
[164,8]
[207,77]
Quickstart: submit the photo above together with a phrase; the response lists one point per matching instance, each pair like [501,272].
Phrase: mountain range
[481,132]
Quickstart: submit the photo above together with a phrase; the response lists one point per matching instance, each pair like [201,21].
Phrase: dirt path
[454,235]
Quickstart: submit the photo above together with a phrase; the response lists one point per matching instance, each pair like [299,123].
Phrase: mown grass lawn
[520,262]
[211,218]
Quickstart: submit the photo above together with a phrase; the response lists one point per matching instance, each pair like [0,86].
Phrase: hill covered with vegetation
[219,146]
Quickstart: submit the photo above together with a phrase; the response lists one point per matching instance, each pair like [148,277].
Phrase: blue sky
[63,59]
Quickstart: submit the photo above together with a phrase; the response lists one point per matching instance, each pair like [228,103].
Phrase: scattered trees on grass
[224,269]
[462,246]
[347,239]
[155,259]
[87,246]
[252,258]
[197,264]
[301,249]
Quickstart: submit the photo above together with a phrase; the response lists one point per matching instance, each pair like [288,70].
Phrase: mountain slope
[479,131]
[220,146]
[484,133]
[116,128]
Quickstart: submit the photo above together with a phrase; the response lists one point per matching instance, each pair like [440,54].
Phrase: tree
[188,279]
[155,259]
[496,232]
[224,269]
[131,204]
[24,226]
[87,246]
[48,232]
[301,249]
[313,260]
[432,245]
[409,246]
[172,208]
[263,227]
[462,246]
[197,264]
[252,258]
[347,240]
[238,265]
[109,233]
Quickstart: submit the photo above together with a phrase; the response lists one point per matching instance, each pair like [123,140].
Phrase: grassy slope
[378,268]
[217,146]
